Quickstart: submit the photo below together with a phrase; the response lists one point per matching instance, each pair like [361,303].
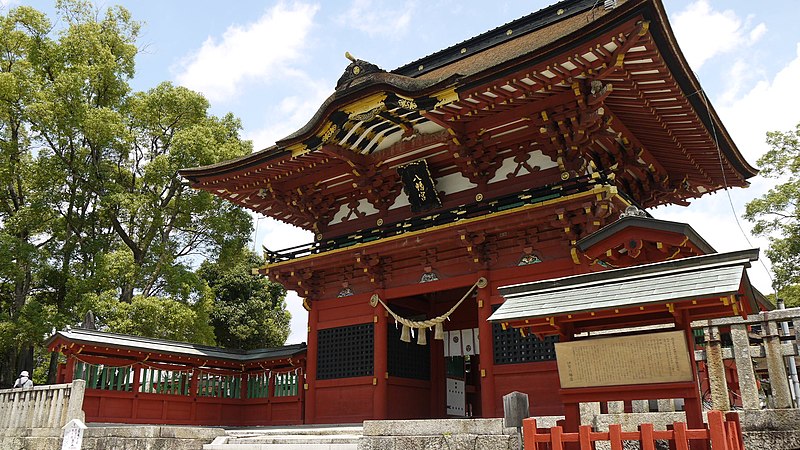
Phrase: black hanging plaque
[419,186]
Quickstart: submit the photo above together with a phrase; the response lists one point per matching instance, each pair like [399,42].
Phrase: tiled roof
[698,277]
[129,342]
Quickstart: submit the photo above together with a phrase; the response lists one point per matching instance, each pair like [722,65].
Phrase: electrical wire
[726,187]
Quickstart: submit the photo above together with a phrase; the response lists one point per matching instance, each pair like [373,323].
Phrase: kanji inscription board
[614,361]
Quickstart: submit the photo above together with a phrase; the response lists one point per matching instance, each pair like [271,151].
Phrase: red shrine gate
[498,158]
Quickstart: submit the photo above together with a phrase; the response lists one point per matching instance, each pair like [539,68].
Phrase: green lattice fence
[218,385]
[286,384]
[160,381]
[258,385]
[99,376]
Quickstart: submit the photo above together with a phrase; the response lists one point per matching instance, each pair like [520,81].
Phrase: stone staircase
[308,437]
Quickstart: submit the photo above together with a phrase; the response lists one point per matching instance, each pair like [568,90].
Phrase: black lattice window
[511,348]
[345,352]
[408,359]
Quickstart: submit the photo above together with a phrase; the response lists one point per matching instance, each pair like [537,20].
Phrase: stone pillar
[75,405]
[775,365]
[616,407]
[666,405]
[589,411]
[380,366]
[716,370]
[744,367]
[486,340]
[640,406]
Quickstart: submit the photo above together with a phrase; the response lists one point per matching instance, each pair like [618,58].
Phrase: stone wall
[768,429]
[446,434]
[762,430]
[134,437]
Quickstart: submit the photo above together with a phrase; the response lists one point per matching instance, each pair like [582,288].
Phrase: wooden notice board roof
[702,282]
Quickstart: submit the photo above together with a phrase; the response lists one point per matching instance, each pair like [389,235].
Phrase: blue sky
[273,63]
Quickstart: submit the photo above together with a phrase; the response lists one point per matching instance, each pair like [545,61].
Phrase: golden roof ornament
[356,68]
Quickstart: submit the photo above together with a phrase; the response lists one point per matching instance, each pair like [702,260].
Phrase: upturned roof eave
[696,95]
[336,100]
[660,28]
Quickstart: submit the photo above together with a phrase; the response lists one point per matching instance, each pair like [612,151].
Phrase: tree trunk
[52,369]
[127,293]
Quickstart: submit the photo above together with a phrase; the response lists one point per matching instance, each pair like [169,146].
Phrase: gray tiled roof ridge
[171,346]
[739,257]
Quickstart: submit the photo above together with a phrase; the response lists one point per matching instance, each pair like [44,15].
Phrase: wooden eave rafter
[650,120]
[472,227]
[654,106]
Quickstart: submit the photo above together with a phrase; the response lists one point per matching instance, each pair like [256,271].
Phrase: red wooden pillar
[311,364]
[692,405]
[437,379]
[243,386]
[69,373]
[136,382]
[271,384]
[301,393]
[486,341]
[381,366]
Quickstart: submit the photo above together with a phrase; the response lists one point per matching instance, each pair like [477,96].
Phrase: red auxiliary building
[505,159]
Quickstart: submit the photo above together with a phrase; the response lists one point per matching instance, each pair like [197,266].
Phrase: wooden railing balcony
[476,209]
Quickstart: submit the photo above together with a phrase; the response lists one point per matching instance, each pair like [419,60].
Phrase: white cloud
[260,50]
[768,105]
[276,235]
[291,113]
[704,33]
[378,18]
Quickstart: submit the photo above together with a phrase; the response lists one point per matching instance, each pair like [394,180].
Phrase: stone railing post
[75,405]
[716,370]
[776,366]
[744,367]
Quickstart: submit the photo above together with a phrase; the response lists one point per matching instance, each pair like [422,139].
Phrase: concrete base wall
[140,437]
[445,434]
[762,430]
[769,429]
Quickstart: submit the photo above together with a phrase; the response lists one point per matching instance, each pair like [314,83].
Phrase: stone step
[308,437]
[298,439]
[213,446]
[319,430]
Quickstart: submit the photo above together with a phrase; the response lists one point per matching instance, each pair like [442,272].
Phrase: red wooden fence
[723,433]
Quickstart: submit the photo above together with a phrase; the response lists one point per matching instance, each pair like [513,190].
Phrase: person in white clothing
[24,380]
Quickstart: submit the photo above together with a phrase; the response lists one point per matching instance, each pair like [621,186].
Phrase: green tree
[777,213]
[249,311]
[93,214]
[24,213]
[157,317]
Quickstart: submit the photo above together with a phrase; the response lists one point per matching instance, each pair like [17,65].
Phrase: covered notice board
[613,361]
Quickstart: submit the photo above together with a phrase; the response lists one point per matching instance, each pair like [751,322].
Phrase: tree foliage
[249,311]
[92,212]
[777,213]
